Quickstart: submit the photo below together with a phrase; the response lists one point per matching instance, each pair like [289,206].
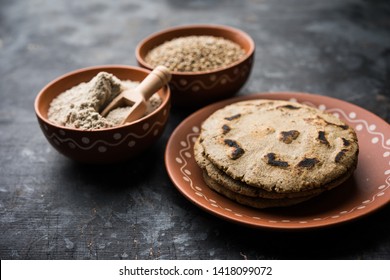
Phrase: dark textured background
[53,208]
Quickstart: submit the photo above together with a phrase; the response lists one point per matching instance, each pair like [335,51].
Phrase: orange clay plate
[366,191]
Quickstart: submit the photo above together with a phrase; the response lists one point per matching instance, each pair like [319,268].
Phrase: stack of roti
[274,153]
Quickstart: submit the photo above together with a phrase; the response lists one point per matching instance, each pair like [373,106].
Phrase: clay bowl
[200,88]
[104,145]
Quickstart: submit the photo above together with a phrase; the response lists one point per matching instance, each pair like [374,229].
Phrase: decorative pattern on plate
[185,153]
[85,143]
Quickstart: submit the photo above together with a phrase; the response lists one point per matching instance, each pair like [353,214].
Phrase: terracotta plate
[366,191]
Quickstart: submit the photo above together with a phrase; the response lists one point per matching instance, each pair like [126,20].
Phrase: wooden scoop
[136,98]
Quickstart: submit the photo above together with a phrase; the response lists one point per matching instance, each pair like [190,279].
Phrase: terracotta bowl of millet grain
[108,145]
[196,89]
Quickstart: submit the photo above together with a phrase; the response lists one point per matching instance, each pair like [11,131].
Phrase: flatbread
[259,203]
[279,146]
[237,186]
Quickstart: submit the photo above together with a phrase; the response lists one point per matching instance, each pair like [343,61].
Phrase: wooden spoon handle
[158,78]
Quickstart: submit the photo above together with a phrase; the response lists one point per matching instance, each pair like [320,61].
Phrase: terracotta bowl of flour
[197,88]
[105,145]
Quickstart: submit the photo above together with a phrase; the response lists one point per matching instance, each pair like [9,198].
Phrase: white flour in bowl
[79,106]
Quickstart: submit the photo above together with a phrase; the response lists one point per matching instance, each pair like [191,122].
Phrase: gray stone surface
[53,208]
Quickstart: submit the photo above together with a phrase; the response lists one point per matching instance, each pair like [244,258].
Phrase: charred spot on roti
[322,138]
[342,126]
[346,142]
[272,160]
[225,129]
[237,151]
[288,136]
[340,155]
[233,117]
[289,107]
[318,120]
[308,162]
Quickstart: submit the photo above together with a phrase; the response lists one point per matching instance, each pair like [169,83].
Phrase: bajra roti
[279,146]
[259,203]
[239,187]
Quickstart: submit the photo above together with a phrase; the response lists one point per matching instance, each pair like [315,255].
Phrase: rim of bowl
[102,67]
[154,35]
